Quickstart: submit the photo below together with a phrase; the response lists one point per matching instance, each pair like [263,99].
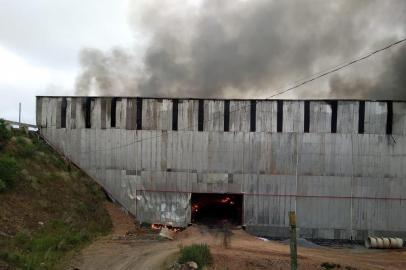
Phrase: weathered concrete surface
[342,185]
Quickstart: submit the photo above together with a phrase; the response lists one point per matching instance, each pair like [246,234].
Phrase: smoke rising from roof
[246,48]
[390,83]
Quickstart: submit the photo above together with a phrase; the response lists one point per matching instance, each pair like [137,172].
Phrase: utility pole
[293,242]
[19,114]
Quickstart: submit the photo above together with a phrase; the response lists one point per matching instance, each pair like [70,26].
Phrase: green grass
[199,253]
[3,186]
[328,266]
[8,165]
[5,134]
[26,147]
[8,171]
[45,248]
[49,208]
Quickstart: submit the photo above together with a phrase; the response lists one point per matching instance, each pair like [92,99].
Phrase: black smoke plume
[231,48]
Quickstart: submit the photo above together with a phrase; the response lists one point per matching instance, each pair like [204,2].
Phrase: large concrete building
[340,164]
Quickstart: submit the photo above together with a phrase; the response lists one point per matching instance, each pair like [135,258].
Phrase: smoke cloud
[217,48]
[389,83]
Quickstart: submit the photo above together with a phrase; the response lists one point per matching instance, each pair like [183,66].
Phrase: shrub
[8,170]
[328,266]
[44,248]
[12,257]
[21,140]
[199,253]
[5,134]
[3,186]
[26,149]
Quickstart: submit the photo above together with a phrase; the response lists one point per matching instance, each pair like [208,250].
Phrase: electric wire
[299,83]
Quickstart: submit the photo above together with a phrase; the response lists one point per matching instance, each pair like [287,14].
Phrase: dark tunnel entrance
[217,209]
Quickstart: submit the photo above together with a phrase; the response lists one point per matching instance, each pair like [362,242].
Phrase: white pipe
[379,242]
[393,242]
[383,242]
[370,242]
[386,242]
[398,243]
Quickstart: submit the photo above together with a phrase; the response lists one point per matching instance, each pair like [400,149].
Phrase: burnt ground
[130,247]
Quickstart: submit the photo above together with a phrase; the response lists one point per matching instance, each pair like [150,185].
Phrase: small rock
[186,266]
[192,265]
[166,233]
[41,223]
[4,234]
[116,237]
[176,266]
[263,239]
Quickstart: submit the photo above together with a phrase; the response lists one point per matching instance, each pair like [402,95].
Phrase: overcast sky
[40,41]
[204,48]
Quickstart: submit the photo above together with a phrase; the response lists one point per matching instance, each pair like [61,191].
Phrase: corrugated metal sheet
[320,117]
[399,118]
[375,117]
[341,185]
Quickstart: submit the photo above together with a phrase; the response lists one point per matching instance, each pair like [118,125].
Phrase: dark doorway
[217,209]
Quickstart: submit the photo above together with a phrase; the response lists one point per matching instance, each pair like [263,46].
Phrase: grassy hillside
[48,208]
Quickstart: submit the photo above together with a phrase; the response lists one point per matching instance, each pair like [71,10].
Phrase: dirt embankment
[48,207]
[141,249]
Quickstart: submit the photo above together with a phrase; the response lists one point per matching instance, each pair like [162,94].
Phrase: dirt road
[143,250]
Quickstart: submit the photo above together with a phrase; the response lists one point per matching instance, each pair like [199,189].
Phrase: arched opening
[216,209]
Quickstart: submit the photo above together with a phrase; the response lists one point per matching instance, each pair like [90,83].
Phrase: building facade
[340,164]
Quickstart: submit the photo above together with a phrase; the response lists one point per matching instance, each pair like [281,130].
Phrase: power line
[339,67]
[320,74]
[307,80]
